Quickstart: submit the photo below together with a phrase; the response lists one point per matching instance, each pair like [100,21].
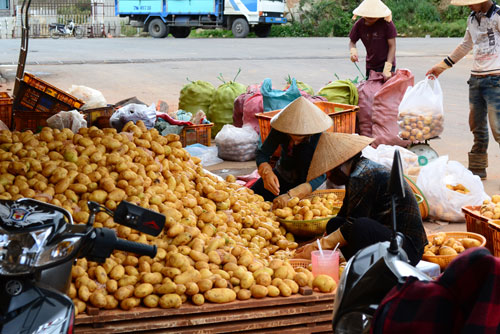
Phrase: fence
[96,17]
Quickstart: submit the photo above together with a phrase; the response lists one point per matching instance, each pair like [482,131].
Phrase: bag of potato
[448,186]
[421,111]
[195,96]
[237,144]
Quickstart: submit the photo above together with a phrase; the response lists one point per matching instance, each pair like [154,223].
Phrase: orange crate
[478,224]
[193,134]
[494,226]
[343,116]
[31,120]
[6,104]
[53,91]
[99,116]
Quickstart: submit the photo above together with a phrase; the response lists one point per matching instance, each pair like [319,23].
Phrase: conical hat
[301,117]
[372,8]
[466,2]
[333,150]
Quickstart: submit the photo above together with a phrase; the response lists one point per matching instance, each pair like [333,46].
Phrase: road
[157,69]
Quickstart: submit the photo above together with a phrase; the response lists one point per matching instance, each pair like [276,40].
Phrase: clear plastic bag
[421,111]
[384,155]
[134,112]
[237,144]
[67,119]
[435,180]
[92,97]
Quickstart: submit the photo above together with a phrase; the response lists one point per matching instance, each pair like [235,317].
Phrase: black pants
[258,187]
[363,232]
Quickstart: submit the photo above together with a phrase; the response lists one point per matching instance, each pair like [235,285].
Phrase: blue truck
[161,17]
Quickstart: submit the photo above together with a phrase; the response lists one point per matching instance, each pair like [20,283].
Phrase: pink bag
[239,105]
[366,91]
[386,102]
[252,106]
[313,98]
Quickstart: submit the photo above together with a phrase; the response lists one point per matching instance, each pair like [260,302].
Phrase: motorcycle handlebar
[135,247]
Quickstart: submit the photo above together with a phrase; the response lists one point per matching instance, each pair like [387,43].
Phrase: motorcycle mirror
[138,218]
[397,181]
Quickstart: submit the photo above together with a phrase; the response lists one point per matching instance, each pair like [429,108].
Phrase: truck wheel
[180,32]
[158,29]
[240,28]
[262,30]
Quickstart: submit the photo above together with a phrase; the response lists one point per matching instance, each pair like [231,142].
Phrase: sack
[196,96]
[366,91]
[67,120]
[221,107]
[386,101]
[134,112]
[303,87]
[384,155]
[92,97]
[421,111]
[444,203]
[275,99]
[237,144]
[340,91]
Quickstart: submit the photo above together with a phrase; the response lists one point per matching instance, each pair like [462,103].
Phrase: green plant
[128,31]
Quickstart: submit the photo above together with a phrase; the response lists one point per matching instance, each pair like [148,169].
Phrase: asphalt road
[157,69]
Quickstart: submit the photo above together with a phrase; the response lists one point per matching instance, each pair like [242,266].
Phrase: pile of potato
[491,209]
[459,188]
[442,245]
[306,209]
[419,125]
[220,243]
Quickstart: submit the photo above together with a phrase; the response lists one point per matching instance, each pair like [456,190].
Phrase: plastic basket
[444,260]
[48,89]
[99,116]
[423,205]
[313,227]
[343,116]
[300,263]
[494,226]
[478,224]
[30,120]
[193,134]
[6,104]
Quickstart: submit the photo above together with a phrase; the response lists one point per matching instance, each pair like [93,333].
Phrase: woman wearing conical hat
[366,216]
[296,129]
[378,34]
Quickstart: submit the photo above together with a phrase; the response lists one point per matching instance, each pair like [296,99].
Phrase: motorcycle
[373,272]
[58,29]
[38,246]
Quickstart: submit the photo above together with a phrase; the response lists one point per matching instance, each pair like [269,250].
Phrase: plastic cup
[328,264]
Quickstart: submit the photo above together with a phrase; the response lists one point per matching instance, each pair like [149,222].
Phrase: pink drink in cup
[328,264]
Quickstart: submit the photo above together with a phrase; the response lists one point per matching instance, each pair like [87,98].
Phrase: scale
[424,151]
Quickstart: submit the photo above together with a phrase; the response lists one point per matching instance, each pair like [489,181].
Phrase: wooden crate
[294,314]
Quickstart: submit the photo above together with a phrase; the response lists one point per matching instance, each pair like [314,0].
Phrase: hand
[281,201]
[354,55]
[437,69]
[271,183]
[305,251]
[387,70]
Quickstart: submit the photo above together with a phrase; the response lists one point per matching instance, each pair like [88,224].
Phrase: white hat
[466,2]
[301,117]
[372,8]
[333,150]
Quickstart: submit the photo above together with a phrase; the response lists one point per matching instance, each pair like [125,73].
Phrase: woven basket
[300,263]
[313,227]
[445,260]
[494,226]
[478,224]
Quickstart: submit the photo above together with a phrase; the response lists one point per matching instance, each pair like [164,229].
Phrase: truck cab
[161,17]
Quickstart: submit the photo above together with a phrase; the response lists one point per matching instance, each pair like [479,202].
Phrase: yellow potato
[324,283]
[220,295]
[170,300]
[258,291]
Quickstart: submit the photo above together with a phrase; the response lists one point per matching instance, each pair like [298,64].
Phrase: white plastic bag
[237,144]
[92,97]
[134,112]
[207,154]
[384,154]
[67,119]
[446,204]
[421,111]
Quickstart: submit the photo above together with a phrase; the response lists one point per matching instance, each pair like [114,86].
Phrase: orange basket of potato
[308,217]
[443,247]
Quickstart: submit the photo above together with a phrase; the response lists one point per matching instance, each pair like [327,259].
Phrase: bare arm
[391,54]
[353,51]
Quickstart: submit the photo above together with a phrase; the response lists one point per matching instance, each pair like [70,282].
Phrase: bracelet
[288,193]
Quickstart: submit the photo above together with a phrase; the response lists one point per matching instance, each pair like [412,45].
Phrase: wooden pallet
[294,314]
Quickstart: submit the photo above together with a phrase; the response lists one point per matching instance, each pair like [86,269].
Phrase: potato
[205,285]
[273,291]
[130,303]
[192,275]
[220,295]
[469,242]
[258,291]
[170,300]
[166,288]
[263,279]
[124,292]
[301,279]
[324,283]
[445,250]
[244,294]
[151,301]
[143,290]
[285,290]
[98,299]
[198,299]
